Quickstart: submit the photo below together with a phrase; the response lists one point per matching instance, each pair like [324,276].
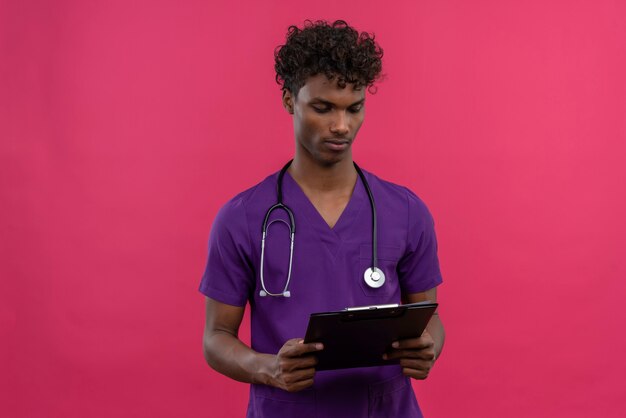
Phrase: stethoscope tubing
[279,205]
[374,224]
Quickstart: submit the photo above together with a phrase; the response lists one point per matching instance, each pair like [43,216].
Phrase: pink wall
[125,125]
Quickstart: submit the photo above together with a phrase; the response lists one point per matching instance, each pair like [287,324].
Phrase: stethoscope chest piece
[374,278]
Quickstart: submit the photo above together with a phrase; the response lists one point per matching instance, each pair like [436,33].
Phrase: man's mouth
[337,144]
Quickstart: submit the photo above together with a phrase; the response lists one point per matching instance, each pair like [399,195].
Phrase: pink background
[125,125]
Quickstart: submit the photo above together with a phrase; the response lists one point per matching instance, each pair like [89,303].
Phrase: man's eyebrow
[320,100]
[358,102]
[327,103]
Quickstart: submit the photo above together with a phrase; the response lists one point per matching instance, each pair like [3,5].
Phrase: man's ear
[288,101]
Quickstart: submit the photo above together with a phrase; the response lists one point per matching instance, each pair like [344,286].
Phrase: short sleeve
[229,275]
[418,268]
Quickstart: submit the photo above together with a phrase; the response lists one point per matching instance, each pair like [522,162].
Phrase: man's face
[326,119]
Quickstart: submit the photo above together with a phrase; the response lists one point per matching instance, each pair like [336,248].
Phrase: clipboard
[359,336]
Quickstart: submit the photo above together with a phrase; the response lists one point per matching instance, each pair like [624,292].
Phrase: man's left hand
[416,355]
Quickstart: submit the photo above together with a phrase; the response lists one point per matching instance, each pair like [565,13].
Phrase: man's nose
[339,125]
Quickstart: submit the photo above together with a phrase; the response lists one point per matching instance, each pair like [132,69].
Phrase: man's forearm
[229,356]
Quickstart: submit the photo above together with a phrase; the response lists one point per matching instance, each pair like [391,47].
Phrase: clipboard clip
[371,307]
[363,313]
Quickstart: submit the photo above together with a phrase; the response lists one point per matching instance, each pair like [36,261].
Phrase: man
[325,70]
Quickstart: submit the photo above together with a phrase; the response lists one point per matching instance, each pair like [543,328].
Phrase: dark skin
[326,120]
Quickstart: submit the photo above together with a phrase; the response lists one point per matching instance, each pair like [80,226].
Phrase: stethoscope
[373,276]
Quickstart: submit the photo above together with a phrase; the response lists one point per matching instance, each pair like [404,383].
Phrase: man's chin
[336,158]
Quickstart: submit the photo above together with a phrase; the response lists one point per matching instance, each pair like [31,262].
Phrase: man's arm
[417,355]
[292,369]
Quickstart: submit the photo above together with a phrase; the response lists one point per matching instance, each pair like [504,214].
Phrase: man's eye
[355,109]
[319,109]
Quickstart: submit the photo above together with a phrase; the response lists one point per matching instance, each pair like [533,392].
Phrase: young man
[325,70]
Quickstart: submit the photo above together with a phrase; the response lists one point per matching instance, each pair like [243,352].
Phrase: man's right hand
[292,369]
[294,365]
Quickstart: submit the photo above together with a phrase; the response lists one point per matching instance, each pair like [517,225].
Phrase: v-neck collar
[305,212]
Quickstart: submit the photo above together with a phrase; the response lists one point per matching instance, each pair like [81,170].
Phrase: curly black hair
[335,50]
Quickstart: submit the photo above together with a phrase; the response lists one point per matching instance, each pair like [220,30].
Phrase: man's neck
[336,177]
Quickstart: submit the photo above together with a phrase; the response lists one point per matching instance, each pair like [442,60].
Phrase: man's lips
[337,144]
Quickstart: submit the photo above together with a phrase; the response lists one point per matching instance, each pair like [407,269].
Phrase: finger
[414,374]
[298,380]
[296,387]
[415,343]
[419,365]
[297,376]
[291,349]
[289,364]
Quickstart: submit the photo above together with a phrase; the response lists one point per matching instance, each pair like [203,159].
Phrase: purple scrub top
[327,274]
